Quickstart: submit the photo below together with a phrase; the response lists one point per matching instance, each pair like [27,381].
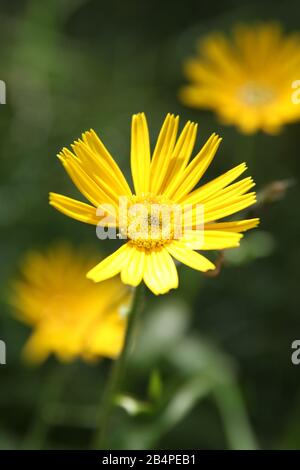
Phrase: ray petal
[100,170]
[185,181]
[85,184]
[94,142]
[110,266]
[75,209]
[160,273]
[166,270]
[182,153]
[140,153]
[209,189]
[234,226]
[133,271]
[189,257]
[210,239]
[163,152]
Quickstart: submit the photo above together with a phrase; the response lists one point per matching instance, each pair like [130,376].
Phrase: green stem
[234,415]
[117,371]
[36,435]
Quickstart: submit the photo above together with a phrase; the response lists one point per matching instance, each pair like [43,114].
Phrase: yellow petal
[234,190]
[94,142]
[86,185]
[163,152]
[110,266]
[36,349]
[241,203]
[229,195]
[107,336]
[133,271]
[196,96]
[210,239]
[197,167]
[234,226]
[189,257]
[184,182]
[149,275]
[75,209]
[160,274]
[195,70]
[182,153]
[140,153]
[207,190]
[100,170]
[220,52]
[166,270]
[82,170]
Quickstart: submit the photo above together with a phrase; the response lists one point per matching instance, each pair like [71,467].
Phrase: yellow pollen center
[150,222]
[255,94]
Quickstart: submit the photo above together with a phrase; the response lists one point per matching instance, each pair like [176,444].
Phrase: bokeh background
[212,366]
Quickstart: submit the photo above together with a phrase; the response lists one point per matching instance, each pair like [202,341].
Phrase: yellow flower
[71,316]
[247,79]
[166,180]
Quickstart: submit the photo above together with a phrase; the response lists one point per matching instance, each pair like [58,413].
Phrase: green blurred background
[212,366]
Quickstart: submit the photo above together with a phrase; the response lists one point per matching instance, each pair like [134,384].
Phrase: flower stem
[36,436]
[117,371]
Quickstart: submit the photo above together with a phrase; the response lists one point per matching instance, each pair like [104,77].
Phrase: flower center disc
[151,221]
[255,94]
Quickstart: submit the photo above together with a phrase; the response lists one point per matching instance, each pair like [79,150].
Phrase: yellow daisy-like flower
[71,316]
[246,79]
[166,180]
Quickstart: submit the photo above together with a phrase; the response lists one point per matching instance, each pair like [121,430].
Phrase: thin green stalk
[36,435]
[117,372]
[234,416]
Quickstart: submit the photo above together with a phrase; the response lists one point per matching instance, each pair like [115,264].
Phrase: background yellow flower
[70,315]
[246,79]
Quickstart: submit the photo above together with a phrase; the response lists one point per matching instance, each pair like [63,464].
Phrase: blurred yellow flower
[165,181]
[247,79]
[70,315]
